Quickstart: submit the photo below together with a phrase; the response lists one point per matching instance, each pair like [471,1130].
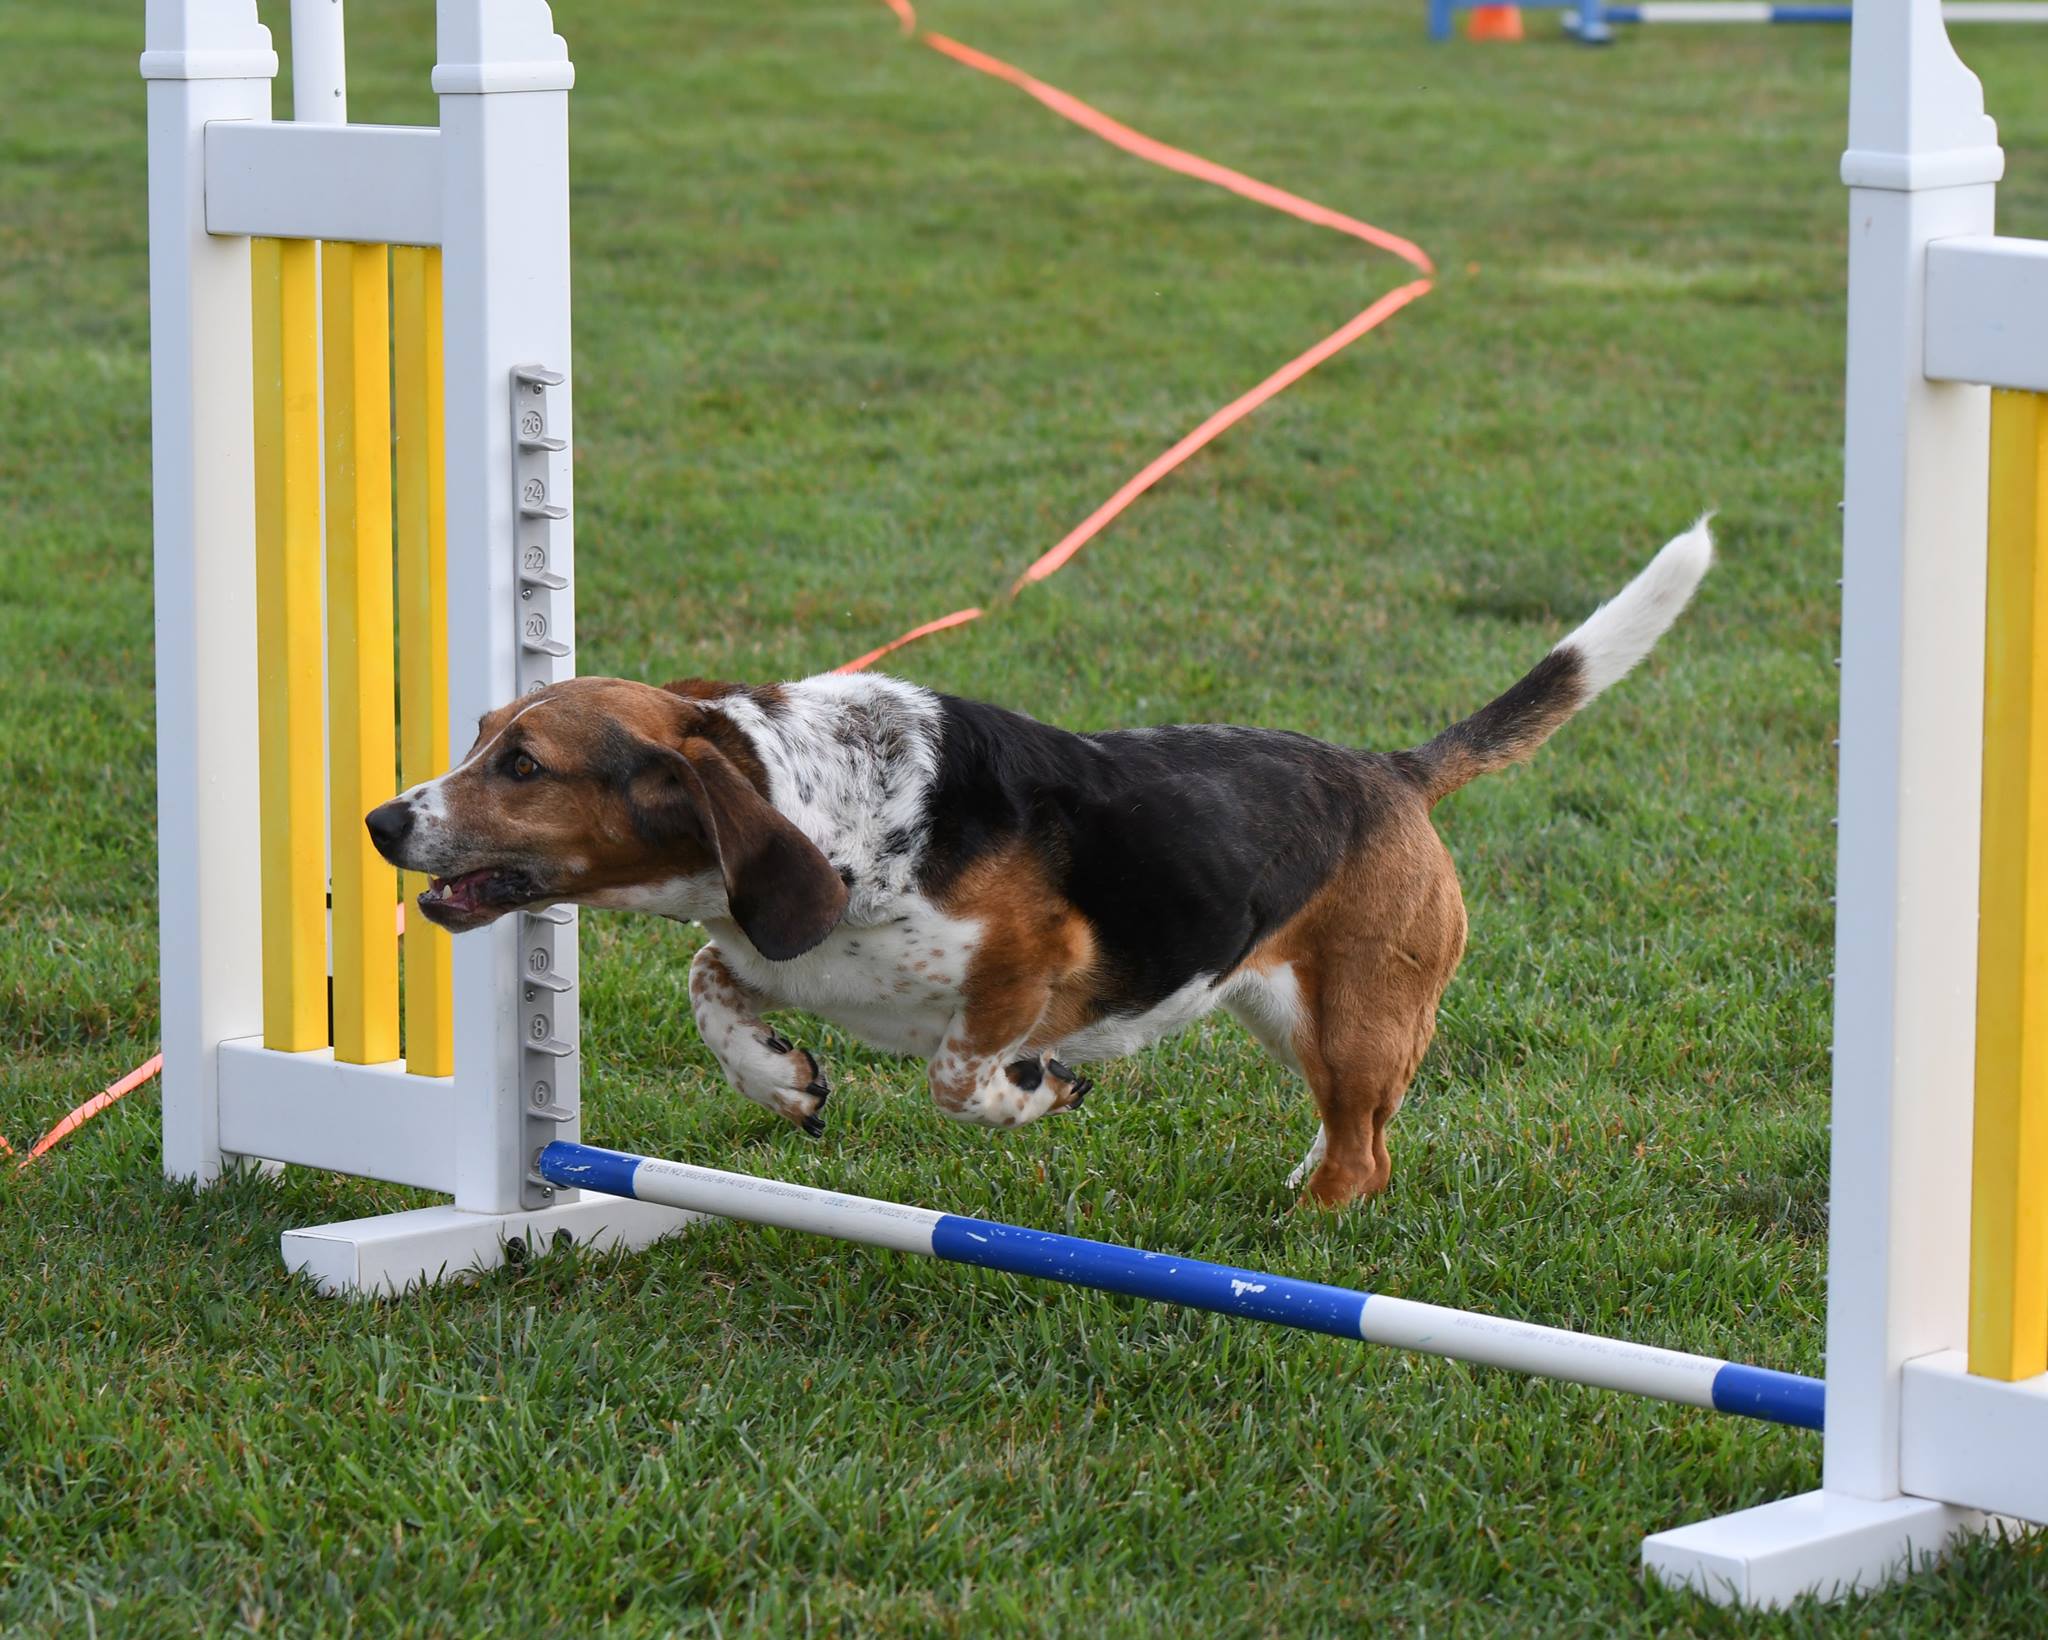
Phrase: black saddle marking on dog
[1183,847]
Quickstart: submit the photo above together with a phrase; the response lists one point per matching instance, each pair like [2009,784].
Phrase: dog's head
[592,789]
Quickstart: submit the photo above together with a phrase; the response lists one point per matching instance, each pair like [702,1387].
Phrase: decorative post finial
[499,45]
[206,40]
[1916,112]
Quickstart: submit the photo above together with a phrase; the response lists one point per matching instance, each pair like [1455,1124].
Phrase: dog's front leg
[764,1067]
[983,1072]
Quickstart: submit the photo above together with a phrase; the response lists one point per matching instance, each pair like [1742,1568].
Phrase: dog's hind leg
[1309,1163]
[1266,1001]
[1366,964]
[787,1080]
[1358,1075]
[1360,1047]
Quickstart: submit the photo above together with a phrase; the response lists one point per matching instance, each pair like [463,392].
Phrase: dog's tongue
[459,893]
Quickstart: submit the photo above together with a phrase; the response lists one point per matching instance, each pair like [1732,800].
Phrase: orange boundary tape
[1154,152]
[959,617]
[92,1107]
[84,1113]
[1235,411]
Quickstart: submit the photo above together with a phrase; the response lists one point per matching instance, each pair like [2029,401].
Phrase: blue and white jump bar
[1520,1346]
[1762,11]
[1589,20]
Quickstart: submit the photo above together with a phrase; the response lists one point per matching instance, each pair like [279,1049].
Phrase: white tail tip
[1624,629]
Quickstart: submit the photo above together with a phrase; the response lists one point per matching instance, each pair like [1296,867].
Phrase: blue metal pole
[1550,1352]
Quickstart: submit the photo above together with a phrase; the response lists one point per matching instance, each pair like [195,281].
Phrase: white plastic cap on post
[206,40]
[499,45]
[1916,111]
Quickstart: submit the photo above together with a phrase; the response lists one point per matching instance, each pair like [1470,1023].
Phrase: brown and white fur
[1002,898]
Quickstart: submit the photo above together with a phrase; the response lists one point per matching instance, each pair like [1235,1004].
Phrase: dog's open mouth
[475,898]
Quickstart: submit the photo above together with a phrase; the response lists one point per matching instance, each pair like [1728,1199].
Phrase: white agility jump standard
[1932,1420]
[268,348]
[302,419]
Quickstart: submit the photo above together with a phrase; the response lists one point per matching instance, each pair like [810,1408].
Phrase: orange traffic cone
[1494,23]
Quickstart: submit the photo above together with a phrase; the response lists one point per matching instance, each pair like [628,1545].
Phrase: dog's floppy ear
[783,893]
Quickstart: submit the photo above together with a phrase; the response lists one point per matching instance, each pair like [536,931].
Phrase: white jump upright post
[1916,1446]
[203,63]
[489,191]
[503,79]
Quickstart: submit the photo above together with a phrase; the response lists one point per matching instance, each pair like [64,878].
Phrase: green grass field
[859,334]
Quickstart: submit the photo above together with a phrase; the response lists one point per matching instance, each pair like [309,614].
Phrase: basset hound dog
[1005,899]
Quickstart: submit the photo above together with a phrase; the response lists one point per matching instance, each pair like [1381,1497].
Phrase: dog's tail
[1602,649]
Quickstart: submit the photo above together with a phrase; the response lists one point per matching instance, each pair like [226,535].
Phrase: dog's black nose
[389,824]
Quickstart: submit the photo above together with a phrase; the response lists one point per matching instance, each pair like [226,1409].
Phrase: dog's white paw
[769,1070]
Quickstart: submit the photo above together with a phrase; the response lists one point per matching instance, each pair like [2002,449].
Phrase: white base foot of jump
[395,1251]
[1823,1543]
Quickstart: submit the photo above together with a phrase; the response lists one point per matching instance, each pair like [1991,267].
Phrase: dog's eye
[522,767]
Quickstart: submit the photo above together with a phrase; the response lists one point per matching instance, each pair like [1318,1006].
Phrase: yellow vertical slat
[422,622]
[2009,1185]
[355,310]
[289,750]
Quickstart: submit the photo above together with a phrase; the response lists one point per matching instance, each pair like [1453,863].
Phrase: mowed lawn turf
[859,334]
